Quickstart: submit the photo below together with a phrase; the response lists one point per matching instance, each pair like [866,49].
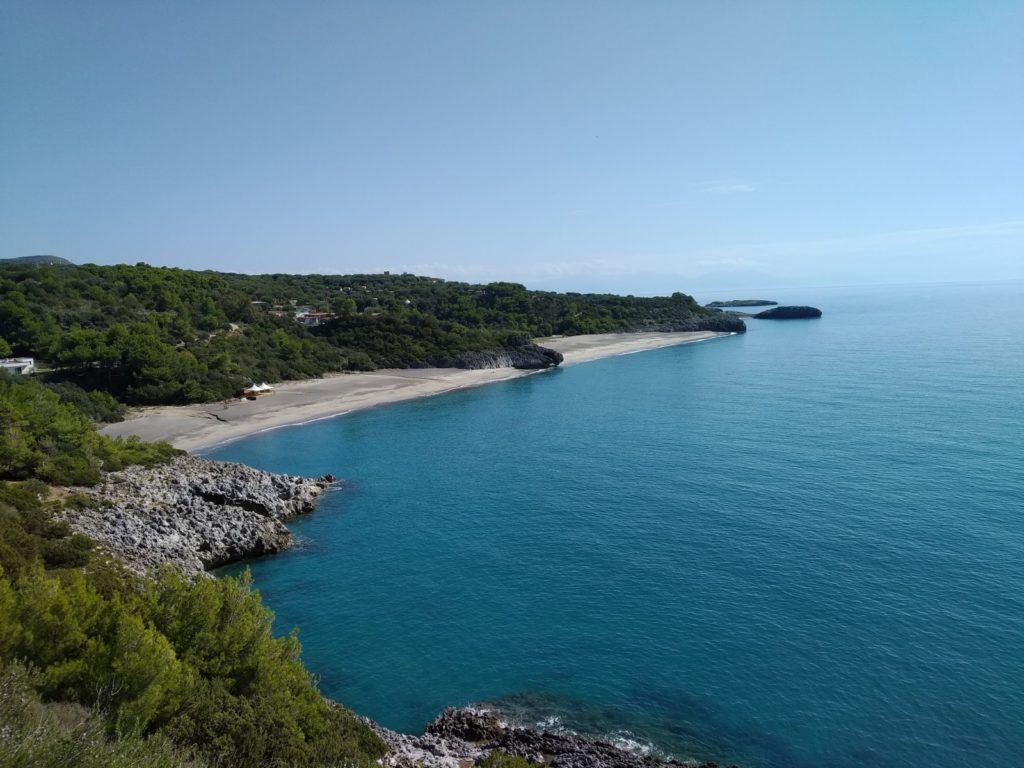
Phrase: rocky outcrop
[723,322]
[460,737]
[788,313]
[742,303]
[195,513]
[427,750]
[520,352]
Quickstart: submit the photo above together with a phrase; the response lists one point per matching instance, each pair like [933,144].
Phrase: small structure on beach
[256,390]
[20,365]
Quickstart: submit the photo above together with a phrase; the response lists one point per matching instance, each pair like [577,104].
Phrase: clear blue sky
[640,146]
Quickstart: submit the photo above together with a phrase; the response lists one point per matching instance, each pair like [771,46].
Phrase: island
[788,313]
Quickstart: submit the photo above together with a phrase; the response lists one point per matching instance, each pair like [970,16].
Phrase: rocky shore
[458,738]
[197,514]
[521,353]
[720,322]
[194,513]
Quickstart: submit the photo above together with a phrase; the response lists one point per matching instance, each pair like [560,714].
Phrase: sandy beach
[196,427]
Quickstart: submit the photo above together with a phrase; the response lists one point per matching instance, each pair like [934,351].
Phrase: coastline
[198,427]
[197,513]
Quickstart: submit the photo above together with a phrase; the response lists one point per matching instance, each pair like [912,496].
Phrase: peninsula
[741,303]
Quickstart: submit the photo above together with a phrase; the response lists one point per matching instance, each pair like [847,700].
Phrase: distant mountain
[42,259]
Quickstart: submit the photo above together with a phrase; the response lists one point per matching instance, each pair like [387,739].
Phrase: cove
[797,547]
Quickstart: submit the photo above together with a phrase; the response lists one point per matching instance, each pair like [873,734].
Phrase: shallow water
[797,547]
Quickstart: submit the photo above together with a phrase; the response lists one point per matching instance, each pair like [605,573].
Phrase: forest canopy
[161,335]
[101,667]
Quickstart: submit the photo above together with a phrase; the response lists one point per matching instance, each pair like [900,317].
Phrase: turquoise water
[803,546]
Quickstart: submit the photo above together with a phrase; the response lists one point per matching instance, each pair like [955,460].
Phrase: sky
[636,147]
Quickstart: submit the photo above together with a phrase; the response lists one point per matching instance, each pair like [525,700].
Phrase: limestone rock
[195,513]
[458,737]
[518,352]
[723,322]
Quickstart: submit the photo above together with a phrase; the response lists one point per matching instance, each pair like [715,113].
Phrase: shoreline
[204,426]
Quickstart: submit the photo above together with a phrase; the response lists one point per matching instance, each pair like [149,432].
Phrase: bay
[801,546]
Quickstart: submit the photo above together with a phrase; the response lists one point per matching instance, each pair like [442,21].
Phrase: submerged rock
[788,313]
[195,513]
[459,737]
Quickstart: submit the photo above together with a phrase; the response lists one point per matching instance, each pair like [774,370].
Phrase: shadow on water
[672,724]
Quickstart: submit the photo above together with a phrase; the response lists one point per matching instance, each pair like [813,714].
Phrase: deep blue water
[803,546]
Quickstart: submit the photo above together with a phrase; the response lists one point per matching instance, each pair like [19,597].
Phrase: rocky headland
[722,322]
[194,513]
[458,738]
[741,303]
[788,313]
[521,353]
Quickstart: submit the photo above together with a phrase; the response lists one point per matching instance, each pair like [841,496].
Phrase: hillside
[40,260]
[102,667]
[159,335]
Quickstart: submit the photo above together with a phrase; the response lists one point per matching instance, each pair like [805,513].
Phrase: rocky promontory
[788,313]
[460,737]
[741,303]
[195,513]
[520,353]
[722,322]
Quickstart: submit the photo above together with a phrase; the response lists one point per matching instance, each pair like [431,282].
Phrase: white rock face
[195,513]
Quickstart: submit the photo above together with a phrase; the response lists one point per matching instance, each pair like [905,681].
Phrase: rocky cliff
[459,737]
[195,513]
[523,354]
[725,322]
[741,303]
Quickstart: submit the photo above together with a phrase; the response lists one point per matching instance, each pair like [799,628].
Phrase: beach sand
[196,427]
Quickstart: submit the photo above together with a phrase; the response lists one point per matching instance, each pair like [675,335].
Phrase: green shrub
[99,406]
[195,663]
[59,735]
[51,440]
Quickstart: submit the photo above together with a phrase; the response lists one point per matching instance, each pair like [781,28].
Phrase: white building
[22,365]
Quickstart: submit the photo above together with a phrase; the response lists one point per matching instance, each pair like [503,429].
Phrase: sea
[800,546]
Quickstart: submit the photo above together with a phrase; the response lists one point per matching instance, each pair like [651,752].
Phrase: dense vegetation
[40,734]
[159,335]
[48,437]
[99,667]
[38,259]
